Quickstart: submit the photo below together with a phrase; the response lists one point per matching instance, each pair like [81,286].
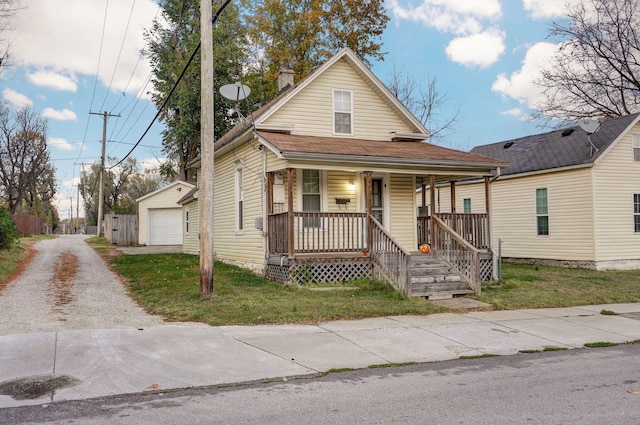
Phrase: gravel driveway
[67,286]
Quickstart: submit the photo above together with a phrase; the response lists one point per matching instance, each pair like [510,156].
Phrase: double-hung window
[311,197]
[342,112]
[239,197]
[466,204]
[636,212]
[542,212]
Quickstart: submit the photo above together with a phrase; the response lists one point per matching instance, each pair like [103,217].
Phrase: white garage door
[165,226]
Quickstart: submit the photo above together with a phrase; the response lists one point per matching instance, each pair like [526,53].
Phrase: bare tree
[7,10]
[27,178]
[596,71]
[424,101]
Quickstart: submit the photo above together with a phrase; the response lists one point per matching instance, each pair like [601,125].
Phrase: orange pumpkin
[424,248]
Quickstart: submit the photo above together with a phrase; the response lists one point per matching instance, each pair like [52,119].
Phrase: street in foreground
[586,386]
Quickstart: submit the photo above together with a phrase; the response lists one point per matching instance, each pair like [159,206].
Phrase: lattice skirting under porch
[486,270]
[320,270]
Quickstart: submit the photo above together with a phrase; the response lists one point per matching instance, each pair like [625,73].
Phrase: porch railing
[390,259]
[458,252]
[474,228]
[318,232]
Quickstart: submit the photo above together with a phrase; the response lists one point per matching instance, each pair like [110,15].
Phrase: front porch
[336,247]
[326,247]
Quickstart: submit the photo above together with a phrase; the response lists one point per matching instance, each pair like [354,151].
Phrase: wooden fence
[28,225]
[120,229]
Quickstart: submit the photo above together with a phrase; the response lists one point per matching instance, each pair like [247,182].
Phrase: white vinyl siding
[403,223]
[190,240]
[246,248]
[166,197]
[636,147]
[311,110]
[239,196]
[616,178]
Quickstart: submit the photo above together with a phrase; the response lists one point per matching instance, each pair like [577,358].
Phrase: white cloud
[451,16]
[64,115]
[17,99]
[53,80]
[515,112]
[59,143]
[520,84]
[467,19]
[546,9]
[482,49]
[67,39]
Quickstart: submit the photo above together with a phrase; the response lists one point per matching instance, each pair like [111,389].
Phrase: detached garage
[160,216]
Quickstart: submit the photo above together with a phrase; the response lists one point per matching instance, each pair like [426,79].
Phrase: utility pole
[84,198]
[206,149]
[70,214]
[105,115]
[77,207]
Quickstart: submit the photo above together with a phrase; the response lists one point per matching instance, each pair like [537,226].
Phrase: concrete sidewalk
[85,364]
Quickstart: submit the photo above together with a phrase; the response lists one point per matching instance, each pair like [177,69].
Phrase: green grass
[168,285]
[600,344]
[526,286]
[10,259]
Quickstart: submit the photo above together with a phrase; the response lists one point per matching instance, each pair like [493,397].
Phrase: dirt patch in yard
[62,281]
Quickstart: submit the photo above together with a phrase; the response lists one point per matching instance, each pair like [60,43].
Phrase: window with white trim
[186,220]
[342,112]
[636,147]
[542,212]
[636,212]
[239,197]
[311,196]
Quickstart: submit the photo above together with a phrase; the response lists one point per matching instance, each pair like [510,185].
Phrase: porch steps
[432,278]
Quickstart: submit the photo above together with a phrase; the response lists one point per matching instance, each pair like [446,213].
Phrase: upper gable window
[342,112]
[636,147]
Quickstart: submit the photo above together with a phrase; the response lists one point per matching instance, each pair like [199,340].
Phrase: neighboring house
[160,216]
[567,198]
[318,185]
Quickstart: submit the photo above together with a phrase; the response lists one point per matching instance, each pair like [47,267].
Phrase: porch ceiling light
[352,185]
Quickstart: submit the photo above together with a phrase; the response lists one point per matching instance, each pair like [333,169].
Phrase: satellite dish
[235,92]
[589,126]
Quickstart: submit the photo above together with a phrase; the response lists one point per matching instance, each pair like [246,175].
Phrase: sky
[73,60]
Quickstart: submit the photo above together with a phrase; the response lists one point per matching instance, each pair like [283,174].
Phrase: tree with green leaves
[172,39]
[302,34]
[122,186]
[27,177]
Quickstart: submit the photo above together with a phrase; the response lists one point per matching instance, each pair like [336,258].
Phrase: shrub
[8,231]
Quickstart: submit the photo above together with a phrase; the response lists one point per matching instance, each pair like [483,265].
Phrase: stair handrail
[391,259]
[462,255]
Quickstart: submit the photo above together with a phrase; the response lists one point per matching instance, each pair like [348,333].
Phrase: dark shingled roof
[553,150]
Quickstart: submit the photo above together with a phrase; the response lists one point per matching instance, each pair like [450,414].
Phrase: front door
[377,198]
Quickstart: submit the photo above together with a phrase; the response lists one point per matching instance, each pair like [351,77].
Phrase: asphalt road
[584,386]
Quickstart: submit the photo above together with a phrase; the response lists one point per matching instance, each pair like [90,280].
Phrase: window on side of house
[239,197]
[466,204]
[186,221]
[636,212]
[311,196]
[342,112]
[636,147]
[542,212]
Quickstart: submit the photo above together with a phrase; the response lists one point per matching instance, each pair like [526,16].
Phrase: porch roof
[401,154]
